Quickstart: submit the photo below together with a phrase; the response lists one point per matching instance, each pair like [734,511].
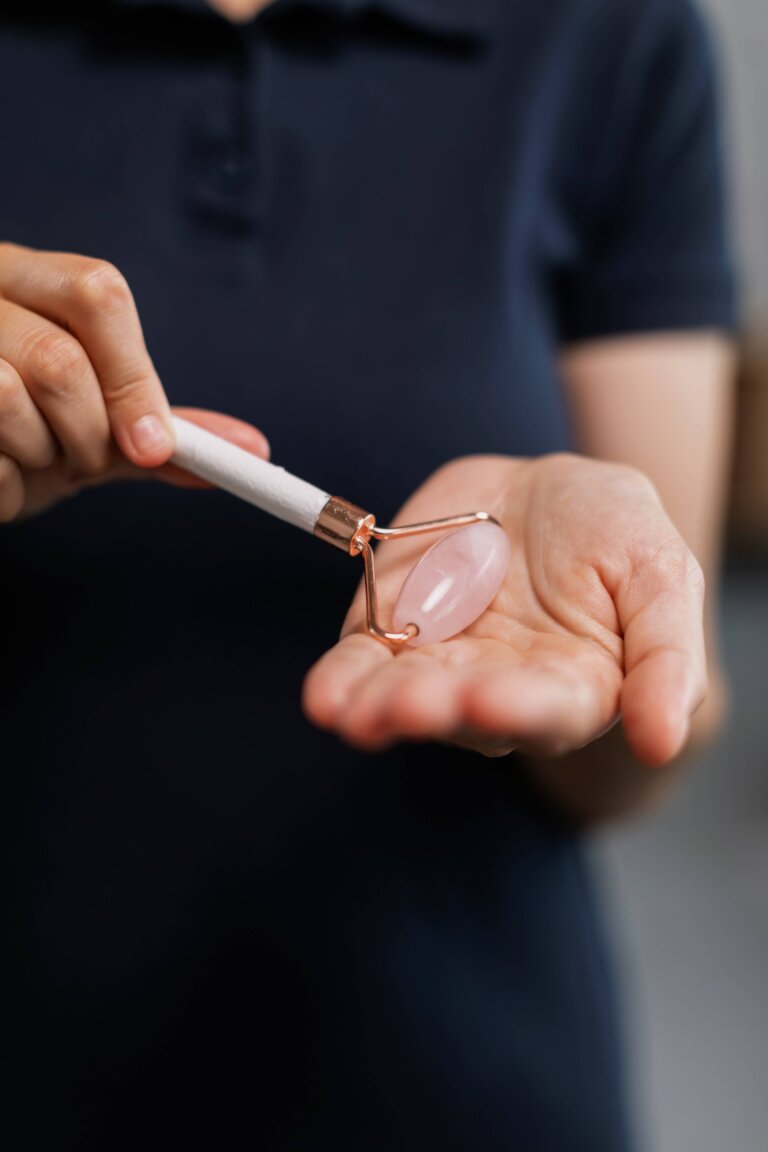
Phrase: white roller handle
[252,479]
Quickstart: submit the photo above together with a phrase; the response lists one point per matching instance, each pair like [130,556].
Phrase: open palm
[600,617]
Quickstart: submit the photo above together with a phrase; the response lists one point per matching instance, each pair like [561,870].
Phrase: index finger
[93,300]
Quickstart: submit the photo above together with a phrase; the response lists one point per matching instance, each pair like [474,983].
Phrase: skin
[664,404]
[602,612]
[238,11]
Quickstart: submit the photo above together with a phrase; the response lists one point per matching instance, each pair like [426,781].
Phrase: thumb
[661,611]
[49,485]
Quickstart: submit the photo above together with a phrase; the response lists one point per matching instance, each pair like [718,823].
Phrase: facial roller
[449,587]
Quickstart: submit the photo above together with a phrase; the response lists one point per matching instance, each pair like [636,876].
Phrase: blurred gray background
[687,888]
[741,29]
[688,894]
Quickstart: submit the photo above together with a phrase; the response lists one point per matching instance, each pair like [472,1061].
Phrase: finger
[11,489]
[92,299]
[61,381]
[411,697]
[229,428]
[24,435]
[661,608]
[370,702]
[329,684]
[540,710]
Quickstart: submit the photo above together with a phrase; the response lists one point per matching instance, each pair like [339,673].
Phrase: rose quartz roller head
[453,583]
[447,590]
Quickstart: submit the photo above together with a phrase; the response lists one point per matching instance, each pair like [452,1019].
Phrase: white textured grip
[268,487]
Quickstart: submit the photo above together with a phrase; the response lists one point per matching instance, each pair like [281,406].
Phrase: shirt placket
[220,155]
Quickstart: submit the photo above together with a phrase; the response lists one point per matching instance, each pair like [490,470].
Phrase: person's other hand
[600,617]
[80,401]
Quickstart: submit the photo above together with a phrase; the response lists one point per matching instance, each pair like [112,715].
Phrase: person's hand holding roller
[80,401]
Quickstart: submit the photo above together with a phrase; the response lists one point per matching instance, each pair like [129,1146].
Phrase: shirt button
[220,177]
[235,175]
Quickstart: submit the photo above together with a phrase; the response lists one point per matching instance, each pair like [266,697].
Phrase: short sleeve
[642,195]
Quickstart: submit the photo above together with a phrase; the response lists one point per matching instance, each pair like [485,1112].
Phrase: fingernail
[150,435]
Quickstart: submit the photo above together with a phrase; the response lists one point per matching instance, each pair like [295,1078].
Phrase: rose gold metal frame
[351,529]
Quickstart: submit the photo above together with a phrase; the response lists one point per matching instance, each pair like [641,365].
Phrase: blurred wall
[742,27]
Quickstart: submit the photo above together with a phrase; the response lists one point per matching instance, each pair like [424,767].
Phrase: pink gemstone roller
[447,590]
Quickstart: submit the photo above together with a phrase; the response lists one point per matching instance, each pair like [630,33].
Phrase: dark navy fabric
[369,229]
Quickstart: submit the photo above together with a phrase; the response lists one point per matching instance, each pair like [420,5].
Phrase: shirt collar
[452,17]
[447,17]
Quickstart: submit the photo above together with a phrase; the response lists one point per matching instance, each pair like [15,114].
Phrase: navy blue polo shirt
[369,228]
